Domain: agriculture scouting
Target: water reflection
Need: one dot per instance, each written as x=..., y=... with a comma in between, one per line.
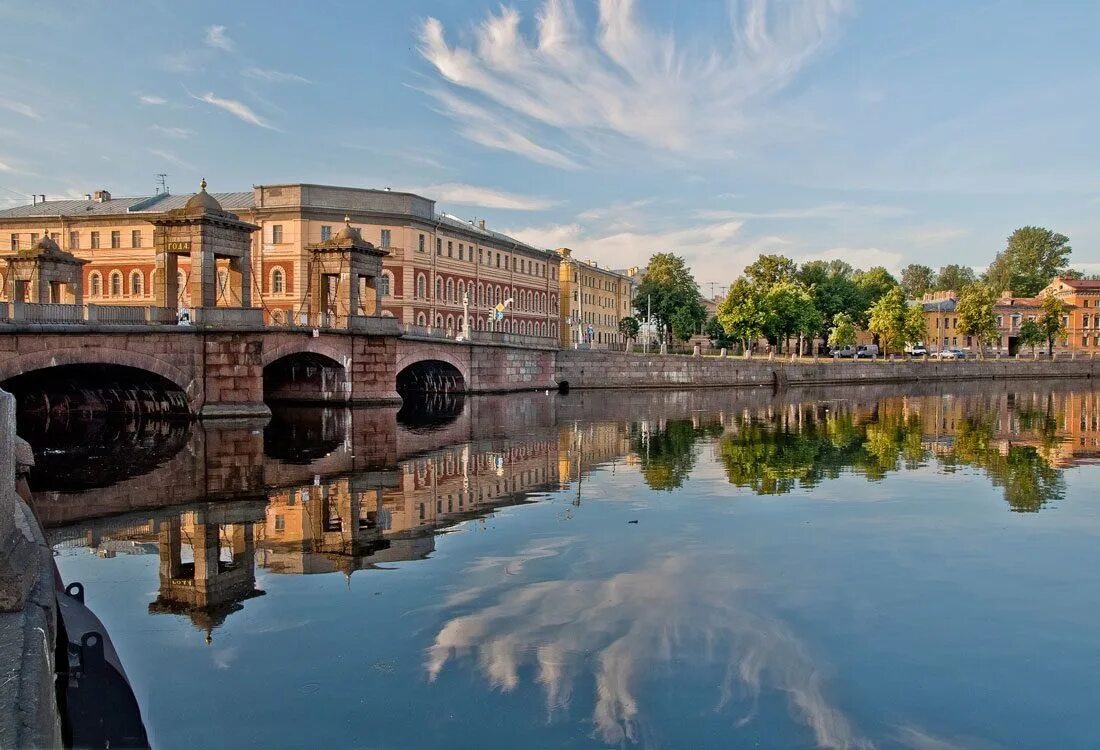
x=585, y=616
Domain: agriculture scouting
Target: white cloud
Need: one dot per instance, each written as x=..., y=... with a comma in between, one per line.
x=217, y=38
x=473, y=195
x=171, y=158
x=614, y=633
x=151, y=99
x=20, y=108
x=826, y=211
x=172, y=131
x=240, y=110
x=483, y=127
x=628, y=79
x=6, y=167
x=273, y=76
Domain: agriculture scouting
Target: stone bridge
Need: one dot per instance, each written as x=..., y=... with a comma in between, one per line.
x=230, y=371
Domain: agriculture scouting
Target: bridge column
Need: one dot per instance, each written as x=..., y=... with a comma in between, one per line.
x=233, y=376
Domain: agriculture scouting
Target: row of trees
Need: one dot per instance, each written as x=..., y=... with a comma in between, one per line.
x=780, y=300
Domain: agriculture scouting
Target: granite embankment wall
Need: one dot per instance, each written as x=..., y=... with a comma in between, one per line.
x=28, y=611
x=587, y=369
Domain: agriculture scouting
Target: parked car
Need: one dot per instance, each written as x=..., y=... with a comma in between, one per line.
x=867, y=352
x=949, y=354
x=916, y=350
x=844, y=352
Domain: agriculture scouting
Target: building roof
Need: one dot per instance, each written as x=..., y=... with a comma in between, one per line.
x=116, y=206
x=939, y=305
x=1080, y=283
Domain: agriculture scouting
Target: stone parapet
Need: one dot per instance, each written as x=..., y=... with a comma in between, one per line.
x=28, y=611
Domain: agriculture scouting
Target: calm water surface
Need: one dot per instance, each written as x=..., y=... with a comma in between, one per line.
x=855, y=568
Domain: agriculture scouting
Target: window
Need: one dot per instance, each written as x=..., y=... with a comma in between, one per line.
x=95, y=281
x=278, y=282
x=15, y=242
x=276, y=233
x=420, y=246
x=326, y=232
x=450, y=249
x=498, y=260
x=421, y=287
x=480, y=259
x=438, y=288
x=34, y=239
x=116, y=238
x=385, y=238
x=439, y=247
x=450, y=290
x=280, y=523
x=461, y=251
x=137, y=284
x=135, y=238
x=421, y=320
x=384, y=285
x=95, y=240
x=116, y=284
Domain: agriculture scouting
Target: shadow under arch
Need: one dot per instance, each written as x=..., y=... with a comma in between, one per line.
x=305, y=377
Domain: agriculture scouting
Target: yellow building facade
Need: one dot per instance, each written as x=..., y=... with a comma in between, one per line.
x=593, y=301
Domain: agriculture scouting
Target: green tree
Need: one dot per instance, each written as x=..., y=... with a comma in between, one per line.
x=872, y=284
x=1031, y=258
x=717, y=334
x=629, y=327
x=915, y=325
x=769, y=270
x=916, y=280
x=843, y=332
x=887, y=319
x=953, y=277
x=790, y=311
x=687, y=320
x=1051, y=318
x=1031, y=335
x=834, y=290
x=742, y=312
x=668, y=284
x=976, y=318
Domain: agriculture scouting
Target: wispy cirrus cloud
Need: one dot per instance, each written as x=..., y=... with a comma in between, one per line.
x=152, y=99
x=273, y=76
x=626, y=78
x=473, y=195
x=20, y=108
x=172, y=131
x=217, y=38
x=171, y=158
x=238, y=109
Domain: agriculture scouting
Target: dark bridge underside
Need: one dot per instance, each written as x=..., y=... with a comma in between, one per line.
x=430, y=376
x=67, y=392
x=305, y=377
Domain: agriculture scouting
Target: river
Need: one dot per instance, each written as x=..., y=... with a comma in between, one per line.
x=851, y=568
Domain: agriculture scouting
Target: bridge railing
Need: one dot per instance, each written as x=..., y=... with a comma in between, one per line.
x=35, y=312
x=517, y=339
x=122, y=314
x=427, y=332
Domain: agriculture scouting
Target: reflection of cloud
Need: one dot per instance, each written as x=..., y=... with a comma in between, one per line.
x=624, y=626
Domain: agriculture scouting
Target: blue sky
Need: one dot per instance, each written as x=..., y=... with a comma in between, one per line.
x=879, y=132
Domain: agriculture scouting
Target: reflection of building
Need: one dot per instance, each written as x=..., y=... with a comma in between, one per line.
x=593, y=301
x=583, y=447
x=221, y=572
x=432, y=260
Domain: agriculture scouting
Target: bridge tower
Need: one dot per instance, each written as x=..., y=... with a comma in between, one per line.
x=45, y=274
x=343, y=279
x=206, y=233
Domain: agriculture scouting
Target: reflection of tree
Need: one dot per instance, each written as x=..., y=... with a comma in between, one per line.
x=668, y=452
x=774, y=454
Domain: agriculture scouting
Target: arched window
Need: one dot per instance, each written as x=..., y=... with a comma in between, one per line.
x=499, y=297
x=385, y=284
x=95, y=284
x=461, y=291
x=461, y=324
x=450, y=322
x=438, y=321
x=116, y=283
x=421, y=287
x=137, y=284
x=480, y=298
x=450, y=290
x=278, y=281
x=421, y=320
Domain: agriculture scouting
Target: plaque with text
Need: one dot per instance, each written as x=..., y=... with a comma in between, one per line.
x=178, y=246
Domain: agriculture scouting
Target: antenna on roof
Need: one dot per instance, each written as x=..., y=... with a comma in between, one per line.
x=162, y=184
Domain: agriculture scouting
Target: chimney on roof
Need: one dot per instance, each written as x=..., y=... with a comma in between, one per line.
x=481, y=224
x=87, y=196
x=102, y=196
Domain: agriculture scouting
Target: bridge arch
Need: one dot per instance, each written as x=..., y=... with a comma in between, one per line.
x=416, y=355
x=191, y=386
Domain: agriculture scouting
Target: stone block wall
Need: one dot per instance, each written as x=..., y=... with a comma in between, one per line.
x=598, y=369
x=503, y=368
